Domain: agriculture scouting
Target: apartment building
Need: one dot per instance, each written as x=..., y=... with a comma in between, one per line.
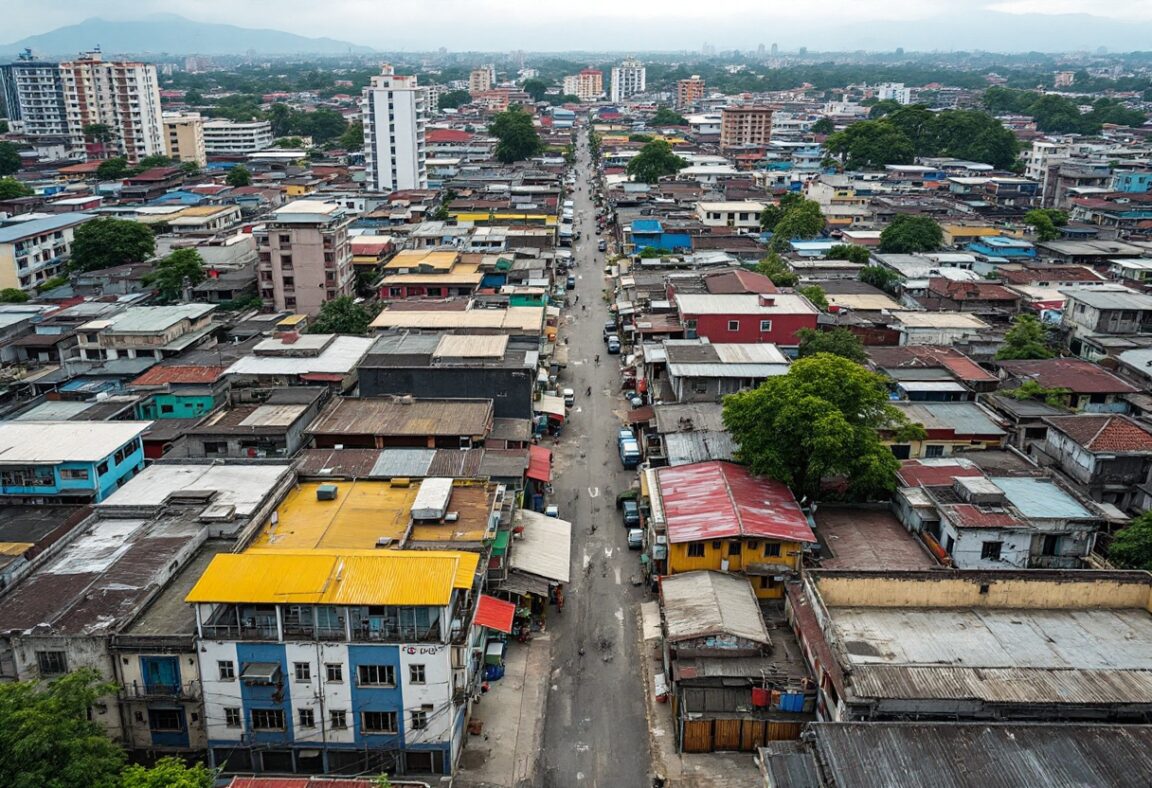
x=184, y=137
x=689, y=92
x=229, y=136
x=590, y=84
x=33, y=92
x=34, y=251
x=156, y=332
x=305, y=257
x=628, y=79
x=481, y=79
x=123, y=96
x=394, y=112
x=744, y=126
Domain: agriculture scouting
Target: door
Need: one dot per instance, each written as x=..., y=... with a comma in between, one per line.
x=161, y=675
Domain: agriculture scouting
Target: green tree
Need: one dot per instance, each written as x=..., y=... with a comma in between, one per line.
x=1027, y=338
x=106, y=242
x=815, y=294
x=907, y=234
x=774, y=267
x=190, y=168
x=148, y=162
x=773, y=213
x=1131, y=547
x=850, y=252
x=322, y=125
x=639, y=137
x=871, y=145
x=3, y=126
x=655, y=161
x=879, y=276
x=353, y=137
x=52, y=284
x=536, y=88
x=98, y=134
x=193, y=98
x=181, y=269
x=821, y=419
x=823, y=126
x=238, y=176
x=802, y=221
x=517, y=136
x=10, y=188
x=280, y=117
x=666, y=117
x=1057, y=396
x=883, y=107
x=342, y=316
x=47, y=739
x=114, y=169
x=13, y=295
x=454, y=99
x=1041, y=222
x=168, y=772
x=838, y=342
x=10, y=161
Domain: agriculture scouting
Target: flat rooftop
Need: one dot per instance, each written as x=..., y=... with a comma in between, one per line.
x=242, y=486
x=867, y=539
x=364, y=512
x=32, y=524
x=169, y=614
x=52, y=442
x=404, y=417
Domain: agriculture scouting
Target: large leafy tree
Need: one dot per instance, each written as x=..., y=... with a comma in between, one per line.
x=517, y=136
x=850, y=252
x=342, y=316
x=655, y=161
x=107, y=242
x=179, y=270
x=353, y=137
x=774, y=267
x=453, y=99
x=238, y=176
x=907, y=234
x=815, y=294
x=774, y=212
x=803, y=220
x=820, y=420
x=536, y=88
x=871, y=145
x=666, y=117
x=12, y=295
x=47, y=739
x=838, y=342
x=114, y=169
x=9, y=159
x=879, y=276
x=1131, y=547
x=1042, y=224
x=10, y=188
x=168, y=772
x=1028, y=338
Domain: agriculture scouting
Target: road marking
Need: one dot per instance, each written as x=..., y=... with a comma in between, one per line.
x=617, y=570
x=593, y=492
x=608, y=551
x=620, y=614
x=587, y=560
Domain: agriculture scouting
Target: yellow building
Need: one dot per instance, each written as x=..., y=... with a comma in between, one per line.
x=184, y=137
x=718, y=516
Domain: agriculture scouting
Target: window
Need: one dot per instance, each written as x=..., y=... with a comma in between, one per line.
x=167, y=409
x=51, y=663
x=102, y=468
x=416, y=674
x=338, y=718
x=379, y=721
x=771, y=549
x=334, y=672
x=934, y=450
x=700, y=387
x=376, y=676
x=227, y=669
x=765, y=326
x=733, y=325
x=232, y=717
x=696, y=550
x=733, y=548
x=267, y=719
x=767, y=582
x=303, y=671
x=990, y=551
x=307, y=718
x=165, y=720
x=1051, y=544
x=419, y=720
x=74, y=474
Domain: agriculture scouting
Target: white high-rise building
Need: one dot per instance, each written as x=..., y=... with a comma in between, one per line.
x=123, y=96
x=894, y=91
x=34, y=94
x=394, y=111
x=628, y=79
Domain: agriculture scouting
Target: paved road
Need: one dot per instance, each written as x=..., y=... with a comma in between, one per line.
x=595, y=729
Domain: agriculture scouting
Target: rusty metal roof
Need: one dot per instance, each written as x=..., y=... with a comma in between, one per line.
x=400, y=416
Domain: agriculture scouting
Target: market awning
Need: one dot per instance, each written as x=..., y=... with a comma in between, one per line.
x=544, y=546
x=264, y=672
x=539, y=463
x=553, y=406
x=494, y=613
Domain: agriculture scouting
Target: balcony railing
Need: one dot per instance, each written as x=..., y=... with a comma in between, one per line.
x=189, y=690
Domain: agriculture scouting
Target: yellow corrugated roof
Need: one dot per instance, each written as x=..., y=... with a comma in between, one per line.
x=412, y=258
x=327, y=577
x=15, y=548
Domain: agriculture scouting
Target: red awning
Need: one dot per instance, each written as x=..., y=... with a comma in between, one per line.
x=494, y=613
x=644, y=413
x=539, y=463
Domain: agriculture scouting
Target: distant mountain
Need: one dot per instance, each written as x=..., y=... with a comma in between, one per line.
x=175, y=35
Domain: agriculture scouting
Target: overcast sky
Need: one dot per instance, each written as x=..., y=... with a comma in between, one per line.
x=632, y=24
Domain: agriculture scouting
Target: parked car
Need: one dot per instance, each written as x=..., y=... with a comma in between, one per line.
x=613, y=344
x=571, y=282
x=552, y=510
x=609, y=329
x=635, y=539
x=602, y=246
x=569, y=397
x=631, y=514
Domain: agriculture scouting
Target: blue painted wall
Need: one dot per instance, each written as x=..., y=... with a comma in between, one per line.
x=261, y=696
x=376, y=698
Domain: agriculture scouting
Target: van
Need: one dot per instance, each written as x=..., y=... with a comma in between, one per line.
x=569, y=397
x=613, y=344
x=631, y=514
x=609, y=329
x=602, y=246
x=629, y=453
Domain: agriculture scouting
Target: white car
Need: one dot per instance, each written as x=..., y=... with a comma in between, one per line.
x=635, y=538
x=569, y=397
x=552, y=510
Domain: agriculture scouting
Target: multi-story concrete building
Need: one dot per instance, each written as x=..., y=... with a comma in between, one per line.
x=628, y=79
x=33, y=92
x=305, y=257
x=481, y=79
x=894, y=91
x=156, y=332
x=394, y=112
x=184, y=137
x=741, y=126
x=34, y=251
x=123, y=96
x=590, y=84
x=229, y=136
x=689, y=91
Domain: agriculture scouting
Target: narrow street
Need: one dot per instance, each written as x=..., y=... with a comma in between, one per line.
x=595, y=727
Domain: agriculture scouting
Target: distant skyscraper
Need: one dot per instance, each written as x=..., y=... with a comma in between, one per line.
x=394, y=113
x=628, y=79
x=760, y=51
x=775, y=49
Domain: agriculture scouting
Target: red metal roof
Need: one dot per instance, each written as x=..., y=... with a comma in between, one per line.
x=914, y=473
x=1076, y=375
x=159, y=376
x=447, y=135
x=718, y=500
x=1105, y=433
x=494, y=613
x=539, y=463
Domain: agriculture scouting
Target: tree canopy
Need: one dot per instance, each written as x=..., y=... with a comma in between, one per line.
x=353, y=137
x=453, y=99
x=1027, y=338
x=823, y=126
x=12, y=295
x=181, y=269
x=106, y=242
x=815, y=294
x=342, y=316
x=667, y=117
x=1042, y=224
x=838, y=342
x=11, y=188
x=907, y=234
x=518, y=138
x=871, y=145
x=850, y=252
x=820, y=420
x=655, y=161
x=879, y=276
x=168, y=772
x=238, y=176
x=1060, y=115
x=536, y=88
x=1131, y=547
x=157, y=160
x=774, y=267
x=10, y=161
x=114, y=169
x=802, y=220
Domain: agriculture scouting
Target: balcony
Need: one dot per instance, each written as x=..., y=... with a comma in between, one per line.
x=189, y=690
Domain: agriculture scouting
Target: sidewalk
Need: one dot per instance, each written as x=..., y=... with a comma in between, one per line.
x=512, y=712
x=710, y=770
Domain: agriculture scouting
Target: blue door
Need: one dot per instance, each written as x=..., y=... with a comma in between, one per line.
x=161, y=675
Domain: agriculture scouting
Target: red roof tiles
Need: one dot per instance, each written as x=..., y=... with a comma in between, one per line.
x=1076, y=375
x=159, y=376
x=1105, y=433
x=914, y=473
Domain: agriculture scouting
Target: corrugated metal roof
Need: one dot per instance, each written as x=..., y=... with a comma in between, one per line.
x=321, y=577
x=685, y=448
x=1040, y=498
x=419, y=417
x=716, y=500
x=544, y=548
x=494, y=613
x=184, y=373
x=962, y=418
x=705, y=604
x=402, y=462
x=1074, y=374
x=52, y=442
